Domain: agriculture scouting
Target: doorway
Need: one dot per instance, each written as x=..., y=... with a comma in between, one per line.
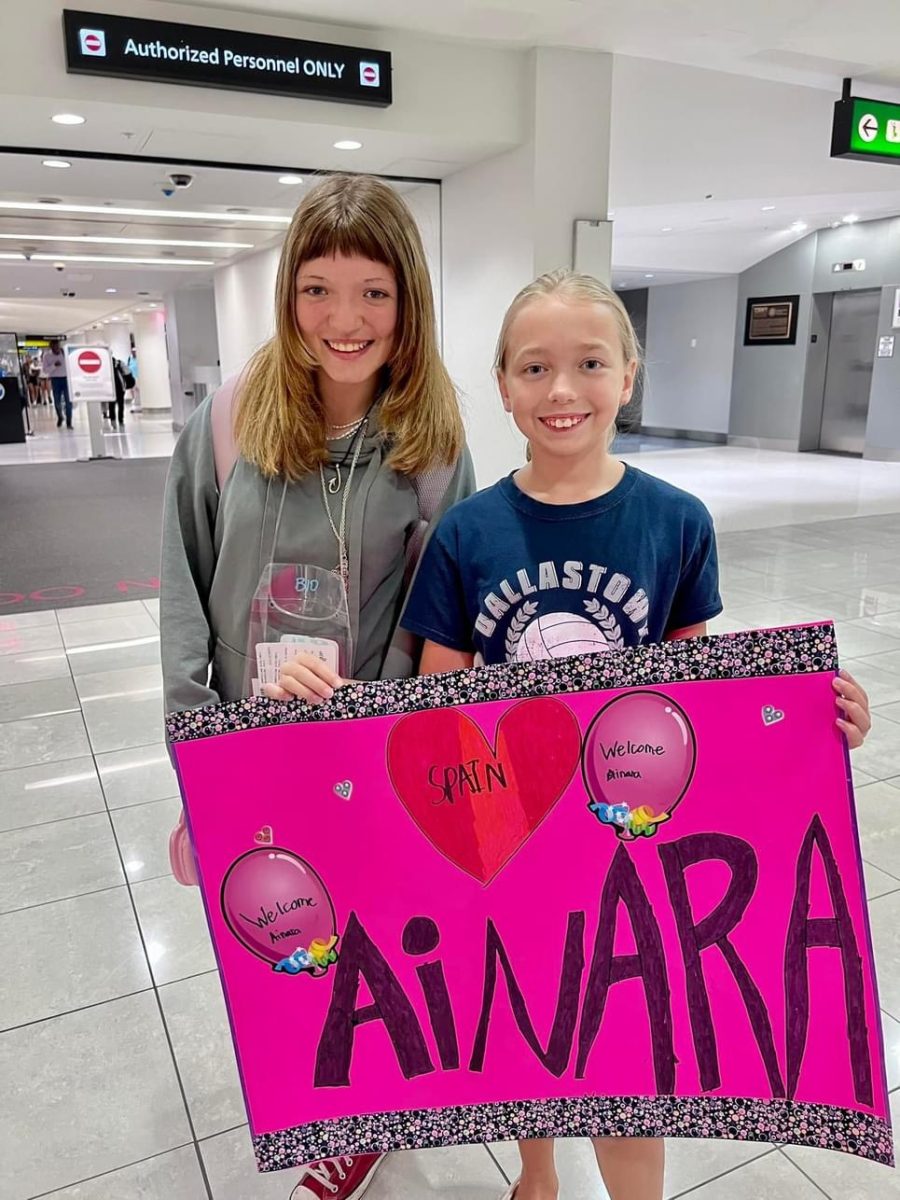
x=848, y=375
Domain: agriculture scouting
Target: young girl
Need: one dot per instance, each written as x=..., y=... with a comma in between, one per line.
x=622, y=557
x=326, y=442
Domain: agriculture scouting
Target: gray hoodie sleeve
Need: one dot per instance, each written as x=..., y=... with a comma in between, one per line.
x=402, y=658
x=188, y=561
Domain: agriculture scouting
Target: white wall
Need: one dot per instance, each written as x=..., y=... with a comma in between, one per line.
x=488, y=256
x=688, y=386
x=512, y=217
x=245, y=294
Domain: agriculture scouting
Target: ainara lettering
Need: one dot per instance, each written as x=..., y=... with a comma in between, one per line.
x=396, y=995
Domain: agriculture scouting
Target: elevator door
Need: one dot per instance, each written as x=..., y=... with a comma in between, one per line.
x=848, y=378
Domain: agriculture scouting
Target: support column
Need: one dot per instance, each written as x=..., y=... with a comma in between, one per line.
x=153, y=362
x=511, y=217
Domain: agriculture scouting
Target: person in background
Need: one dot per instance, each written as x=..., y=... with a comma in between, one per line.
x=53, y=364
x=117, y=407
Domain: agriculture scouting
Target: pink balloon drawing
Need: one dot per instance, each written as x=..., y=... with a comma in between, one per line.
x=638, y=760
x=277, y=907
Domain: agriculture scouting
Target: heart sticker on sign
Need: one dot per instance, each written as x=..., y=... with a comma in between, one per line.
x=264, y=836
x=771, y=715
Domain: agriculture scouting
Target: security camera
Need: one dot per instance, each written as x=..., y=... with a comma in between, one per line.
x=166, y=190
x=180, y=179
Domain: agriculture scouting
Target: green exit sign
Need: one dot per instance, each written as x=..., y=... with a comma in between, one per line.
x=868, y=130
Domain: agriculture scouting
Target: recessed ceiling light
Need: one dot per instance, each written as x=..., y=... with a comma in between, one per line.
x=290, y=179
x=240, y=214
x=850, y=219
x=67, y=119
x=111, y=291
x=768, y=208
x=799, y=226
x=650, y=276
x=59, y=163
x=19, y=257
x=348, y=144
x=666, y=229
x=114, y=258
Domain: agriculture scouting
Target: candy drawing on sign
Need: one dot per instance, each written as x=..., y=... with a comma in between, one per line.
x=477, y=803
x=638, y=761
x=280, y=910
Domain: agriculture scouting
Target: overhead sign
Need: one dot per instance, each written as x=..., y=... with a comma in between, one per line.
x=90, y=373
x=197, y=55
x=867, y=130
x=614, y=893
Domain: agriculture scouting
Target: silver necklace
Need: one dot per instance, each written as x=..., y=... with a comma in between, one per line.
x=351, y=426
x=332, y=433
x=340, y=530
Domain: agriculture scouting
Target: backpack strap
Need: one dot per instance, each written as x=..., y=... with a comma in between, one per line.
x=221, y=416
x=430, y=488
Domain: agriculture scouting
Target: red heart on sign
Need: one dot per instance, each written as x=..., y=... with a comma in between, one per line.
x=478, y=804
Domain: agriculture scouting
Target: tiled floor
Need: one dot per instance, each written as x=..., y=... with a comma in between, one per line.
x=146, y=435
x=115, y=1058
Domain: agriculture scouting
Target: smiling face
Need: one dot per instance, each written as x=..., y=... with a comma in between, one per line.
x=565, y=375
x=346, y=309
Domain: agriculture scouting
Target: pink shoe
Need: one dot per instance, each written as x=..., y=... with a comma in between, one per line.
x=340, y=1178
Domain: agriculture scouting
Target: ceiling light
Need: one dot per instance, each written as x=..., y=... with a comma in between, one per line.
x=768, y=208
x=289, y=180
x=111, y=291
x=835, y=224
x=121, y=211
x=94, y=239
x=67, y=119
x=850, y=219
x=60, y=163
x=113, y=258
x=666, y=229
x=799, y=226
x=348, y=144
x=19, y=257
x=153, y=305
x=648, y=276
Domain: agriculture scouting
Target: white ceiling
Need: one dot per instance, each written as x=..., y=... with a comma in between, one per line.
x=678, y=134
x=815, y=42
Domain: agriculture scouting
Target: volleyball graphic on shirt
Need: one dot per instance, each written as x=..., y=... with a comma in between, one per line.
x=559, y=635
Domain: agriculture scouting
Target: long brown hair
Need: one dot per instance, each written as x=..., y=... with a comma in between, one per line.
x=280, y=423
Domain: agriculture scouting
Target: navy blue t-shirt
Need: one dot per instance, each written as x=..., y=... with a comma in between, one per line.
x=512, y=579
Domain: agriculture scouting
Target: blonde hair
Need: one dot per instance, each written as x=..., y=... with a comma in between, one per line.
x=280, y=423
x=570, y=285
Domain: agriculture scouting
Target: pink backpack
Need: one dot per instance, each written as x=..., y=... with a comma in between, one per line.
x=430, y=488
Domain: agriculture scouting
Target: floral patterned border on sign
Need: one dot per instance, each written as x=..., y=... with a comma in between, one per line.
x=800, y=650
x=817, y=1125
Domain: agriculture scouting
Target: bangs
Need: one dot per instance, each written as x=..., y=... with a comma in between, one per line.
x=347, y=233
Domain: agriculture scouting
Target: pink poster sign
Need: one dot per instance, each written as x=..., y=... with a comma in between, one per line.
x=617, y=894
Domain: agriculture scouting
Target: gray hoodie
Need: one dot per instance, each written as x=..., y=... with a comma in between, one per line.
x=215, y=547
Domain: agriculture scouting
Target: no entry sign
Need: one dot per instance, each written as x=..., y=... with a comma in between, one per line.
x=90, y=362
x=90, y=373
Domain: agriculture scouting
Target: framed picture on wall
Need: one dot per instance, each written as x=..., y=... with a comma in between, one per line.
x=771, y=321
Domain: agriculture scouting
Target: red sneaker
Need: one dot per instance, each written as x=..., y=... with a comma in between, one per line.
x=337, y=1178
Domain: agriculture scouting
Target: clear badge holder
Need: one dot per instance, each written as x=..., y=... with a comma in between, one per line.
x=297, y=608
